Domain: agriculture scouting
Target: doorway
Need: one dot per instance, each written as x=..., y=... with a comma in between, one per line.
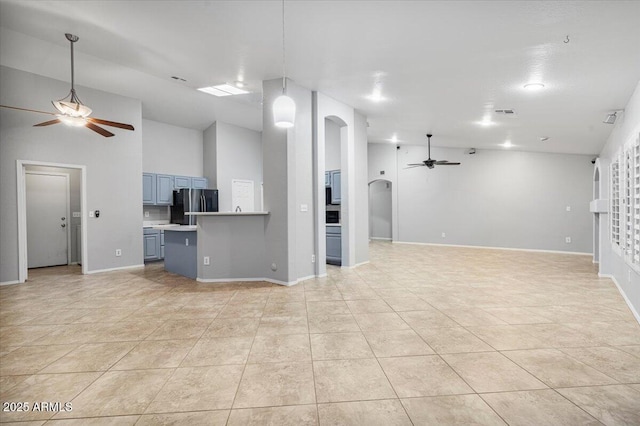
x=40, y=185
x=48, y=229
x=380, y=210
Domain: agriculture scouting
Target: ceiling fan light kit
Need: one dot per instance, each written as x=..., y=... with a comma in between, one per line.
x=71, y=111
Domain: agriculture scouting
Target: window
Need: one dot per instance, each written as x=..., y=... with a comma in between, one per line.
x=636, y=202
x=628, y=201
x=615, y=202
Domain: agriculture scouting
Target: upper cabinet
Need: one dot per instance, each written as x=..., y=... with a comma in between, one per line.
x=336, y=189
x=182, y=182
x=148, y=188
x=164, y=190
x=199, y=183
x=157, y=189
x=327, y=179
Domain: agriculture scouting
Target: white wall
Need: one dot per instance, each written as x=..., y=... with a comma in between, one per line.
x=613, y=264
x=114, y=166
x=495, y=198
x=361, y=187
x=171, y=149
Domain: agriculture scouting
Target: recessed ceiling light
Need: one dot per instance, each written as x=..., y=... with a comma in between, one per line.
x=486, y=121
x=223, y=90
x=544, y=138
x=534, y=86
x=507, y=144
x=394, y=138
x=239, y=83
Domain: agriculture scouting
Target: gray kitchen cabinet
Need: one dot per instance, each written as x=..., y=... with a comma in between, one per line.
x=151, y=244
x=336, y=189
x=164, y=190
x=199, y=183
x=334, y=245
x=180, y=182
x=148, y=188
x=327, y=179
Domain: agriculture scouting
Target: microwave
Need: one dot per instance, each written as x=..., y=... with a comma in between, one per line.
x=333, y=216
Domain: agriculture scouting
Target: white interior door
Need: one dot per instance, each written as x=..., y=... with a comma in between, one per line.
x=47, y=200
x=242, y=195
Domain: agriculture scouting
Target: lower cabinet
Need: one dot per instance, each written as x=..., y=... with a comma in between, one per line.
x=334, y=244
x=153, y=244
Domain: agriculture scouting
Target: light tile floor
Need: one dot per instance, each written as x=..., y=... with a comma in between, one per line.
x=421, y=335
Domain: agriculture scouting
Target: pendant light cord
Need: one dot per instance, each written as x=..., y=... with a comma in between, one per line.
x=284, y=72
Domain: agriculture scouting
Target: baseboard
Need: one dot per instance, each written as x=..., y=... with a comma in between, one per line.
x=379, y=238
x=120, y=268
x=495, y=248
x=9, y=282
x=624, y=296
x=269, y=280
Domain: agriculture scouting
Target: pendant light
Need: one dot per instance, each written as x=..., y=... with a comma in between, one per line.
x=284, y=108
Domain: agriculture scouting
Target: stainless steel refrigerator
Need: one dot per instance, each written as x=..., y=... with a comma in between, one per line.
x=190, y=201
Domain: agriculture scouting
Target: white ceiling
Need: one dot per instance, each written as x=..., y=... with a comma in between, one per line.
x=441, y=65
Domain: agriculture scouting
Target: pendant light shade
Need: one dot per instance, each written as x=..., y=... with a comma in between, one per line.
x=284, y=108
x=284, y=111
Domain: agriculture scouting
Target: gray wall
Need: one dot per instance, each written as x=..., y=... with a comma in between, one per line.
x=171, y=149
x=380, y=209
x=288, y=178
x=232, y=152
x=239, y=154
x=114, y=166
x=75, y=181
x=495, y=198
x=210, y=155
x=361, y=188
x=612, y=263
x=332, y=145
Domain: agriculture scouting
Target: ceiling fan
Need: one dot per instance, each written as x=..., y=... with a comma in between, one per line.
x=430, y=163
x=72, y=112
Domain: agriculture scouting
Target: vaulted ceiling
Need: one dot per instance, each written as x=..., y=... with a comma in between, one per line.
x=439, y=66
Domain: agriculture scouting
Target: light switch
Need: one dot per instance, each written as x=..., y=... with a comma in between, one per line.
x=304, y=208
x=568, y=208
x=91, y=213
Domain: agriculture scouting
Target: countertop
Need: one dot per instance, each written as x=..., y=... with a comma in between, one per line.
x=180, y=228
x=333, y=224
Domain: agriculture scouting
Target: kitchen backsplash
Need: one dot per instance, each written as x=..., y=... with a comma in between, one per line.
x=156, y=213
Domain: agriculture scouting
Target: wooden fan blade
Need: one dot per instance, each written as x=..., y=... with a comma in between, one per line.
x=416, y=164
x=28, y=110
x=110, y=123
x=47, y=123
x=446, y=163
x=413, y=166
x=97, y=129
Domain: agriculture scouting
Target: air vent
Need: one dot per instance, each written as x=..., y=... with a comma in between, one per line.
x=177, y=78
x=506, y=112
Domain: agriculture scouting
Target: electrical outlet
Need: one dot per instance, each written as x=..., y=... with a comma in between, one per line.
x=91, y=213
x=444, y=235
x=146, y=214
x=313, y=258
x=568, y=208
x=207, y=261
x=304, y=207
x=118, y=252
x=186, y=242
x=567, y=240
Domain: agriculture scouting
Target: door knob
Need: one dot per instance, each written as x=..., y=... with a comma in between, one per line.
x=63, y=218
x=63, y=225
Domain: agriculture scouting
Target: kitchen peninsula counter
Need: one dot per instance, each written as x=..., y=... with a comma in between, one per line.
x=233, y=245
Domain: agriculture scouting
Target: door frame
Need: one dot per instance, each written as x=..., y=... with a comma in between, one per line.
x=22, y=212
x=67, y=205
